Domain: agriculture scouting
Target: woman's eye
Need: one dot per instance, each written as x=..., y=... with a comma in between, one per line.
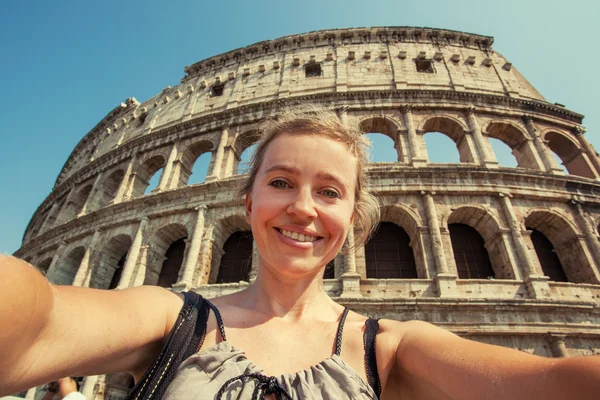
x=330, y=193
x=279, y=184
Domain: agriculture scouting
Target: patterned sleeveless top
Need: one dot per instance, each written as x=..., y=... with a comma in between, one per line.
x=223, y=371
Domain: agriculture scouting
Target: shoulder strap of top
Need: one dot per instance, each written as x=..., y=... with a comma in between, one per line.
x=185, y=339
x=371, y=328
x=340, y=329
x=219, y=319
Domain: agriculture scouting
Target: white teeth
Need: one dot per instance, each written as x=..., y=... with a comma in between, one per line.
x=300, y=237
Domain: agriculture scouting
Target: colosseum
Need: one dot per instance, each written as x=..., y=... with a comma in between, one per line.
x=509, y=256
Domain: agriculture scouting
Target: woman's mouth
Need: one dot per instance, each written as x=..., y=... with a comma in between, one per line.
x=299, y=237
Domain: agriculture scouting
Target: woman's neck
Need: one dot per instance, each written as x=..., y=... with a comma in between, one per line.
x=290, y=299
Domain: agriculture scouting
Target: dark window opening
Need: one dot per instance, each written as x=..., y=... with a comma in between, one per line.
x=118, y=272
x=237, y=259
x=329, y=270
x=425, y=66
x=217, y=90
x=389, y=255
x=313, y=69
x=173, y=260
x=549, y=261
x=471, y=257
x=142, y=118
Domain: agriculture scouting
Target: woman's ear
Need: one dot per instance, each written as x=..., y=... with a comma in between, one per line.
x=248, y=202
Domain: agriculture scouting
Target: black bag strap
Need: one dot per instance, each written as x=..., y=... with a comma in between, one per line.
x=371, y=328
x=185, y=339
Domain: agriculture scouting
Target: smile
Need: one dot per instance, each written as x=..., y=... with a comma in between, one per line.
x=300, y=237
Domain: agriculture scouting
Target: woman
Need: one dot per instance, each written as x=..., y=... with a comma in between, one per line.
x=305, y=191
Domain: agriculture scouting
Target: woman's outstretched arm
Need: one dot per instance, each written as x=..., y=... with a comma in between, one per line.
x=432, y=360
x=48, y=331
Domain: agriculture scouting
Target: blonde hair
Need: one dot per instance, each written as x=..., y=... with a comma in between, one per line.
x=315, y=120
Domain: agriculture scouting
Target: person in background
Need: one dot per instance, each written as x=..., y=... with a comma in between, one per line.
x=64, y=388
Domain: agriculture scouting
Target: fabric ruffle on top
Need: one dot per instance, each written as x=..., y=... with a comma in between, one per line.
x=203, y=375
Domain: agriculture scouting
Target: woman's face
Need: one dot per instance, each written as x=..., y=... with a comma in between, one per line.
x=302, y=203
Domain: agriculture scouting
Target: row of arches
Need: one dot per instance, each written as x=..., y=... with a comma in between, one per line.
x=210, y=159
x=476, y=245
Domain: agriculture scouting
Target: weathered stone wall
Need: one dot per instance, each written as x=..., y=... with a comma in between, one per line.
x=98, y=213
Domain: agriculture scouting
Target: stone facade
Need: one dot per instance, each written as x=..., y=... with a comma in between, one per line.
x=400, y=82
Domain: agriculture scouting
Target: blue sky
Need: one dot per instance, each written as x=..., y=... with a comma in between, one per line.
x=66, y=64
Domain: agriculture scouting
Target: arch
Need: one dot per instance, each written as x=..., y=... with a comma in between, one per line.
x=147, y=170
x=76, y=203
x=241, y=143
x=236, y=261
x=389, y=255
x=569, y=152
x=190, y=157
x=470, y=255
x=107, y=190
x=567, y=242
x=44, y=265
x=549, y=261
x=493, y=246
x=245, y=159
x=220, y=231
x=107, y=272
x=381, y=149
x=455, y=130
x=168, y=248
x=518, y=141
x=68, y=266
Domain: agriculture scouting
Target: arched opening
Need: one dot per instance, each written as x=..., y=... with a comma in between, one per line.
x=76, y=204
x=382, y=133
x=570, y=155
x=195, y=161
x=549, y=261
x=567, y=244
x=329, y=272
x=453, y=130
x=521, y=149
x=236, y=261
x=382, y=148
x=55, y=218
x=108, y=190
x=67, y=269
x=389, y=255
x=107, y=272
x=148, y=176
x=44, y=265
x=470, y=255
x=169, y=249
x=246, y=158
x=441, y=149
x=503, y=153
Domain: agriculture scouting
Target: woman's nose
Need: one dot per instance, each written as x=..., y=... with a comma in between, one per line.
x=303, y=205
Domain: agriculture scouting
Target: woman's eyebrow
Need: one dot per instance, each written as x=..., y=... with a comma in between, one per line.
x=325, y=176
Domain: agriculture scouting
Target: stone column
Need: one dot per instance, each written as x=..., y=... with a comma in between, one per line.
x=557, y=345
x=165, y=179
x=548, y=160
x=537, y=283
x=215, y=174
x=486, y=158
x=416, y=159
x=446, y=282
x=591, y=237
x=89, y=384
x=191, y=258
x=126, y=185
x=133, y=255
x=54, y=264
x=343, y=115
x=588, y=148
x=255, y=261
x=91, y=196
x=84, y=272
x=350, y=278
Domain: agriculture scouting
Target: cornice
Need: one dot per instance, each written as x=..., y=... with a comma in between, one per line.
x=337, y=37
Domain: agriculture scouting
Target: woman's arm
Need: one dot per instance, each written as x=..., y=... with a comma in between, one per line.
x=48, y=332
x=432, y=360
